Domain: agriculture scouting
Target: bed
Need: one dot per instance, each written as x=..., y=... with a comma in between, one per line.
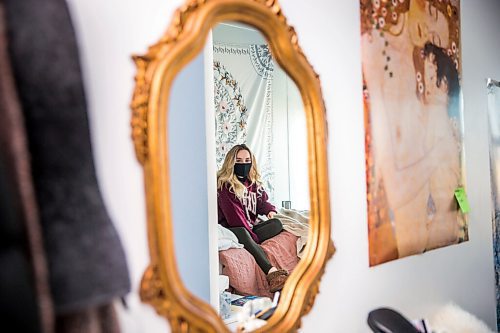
x=246, y=277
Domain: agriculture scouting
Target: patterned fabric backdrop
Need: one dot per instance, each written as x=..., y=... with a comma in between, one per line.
x=243, y=76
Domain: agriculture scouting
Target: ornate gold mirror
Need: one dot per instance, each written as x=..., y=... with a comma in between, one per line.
x=230, y=73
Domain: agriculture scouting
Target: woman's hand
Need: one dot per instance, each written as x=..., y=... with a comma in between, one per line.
x=271, y=214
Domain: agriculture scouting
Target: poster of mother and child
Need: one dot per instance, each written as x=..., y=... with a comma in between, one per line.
x=414, y=126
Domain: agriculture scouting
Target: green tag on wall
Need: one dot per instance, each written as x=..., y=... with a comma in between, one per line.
x=462, y=200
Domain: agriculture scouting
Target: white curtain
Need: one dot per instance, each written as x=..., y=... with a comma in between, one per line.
x=243, y=76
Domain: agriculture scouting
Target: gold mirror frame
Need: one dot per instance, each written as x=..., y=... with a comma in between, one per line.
x=161, y=285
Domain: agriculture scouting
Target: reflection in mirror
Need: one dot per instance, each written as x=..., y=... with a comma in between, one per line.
x=248, y=174
x=188, y=178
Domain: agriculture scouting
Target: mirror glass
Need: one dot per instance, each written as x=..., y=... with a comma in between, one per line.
x=238, y=173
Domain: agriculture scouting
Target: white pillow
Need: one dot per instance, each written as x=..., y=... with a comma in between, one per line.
x=227, y=239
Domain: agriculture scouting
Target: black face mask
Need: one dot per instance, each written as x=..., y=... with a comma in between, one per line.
x=242, y=169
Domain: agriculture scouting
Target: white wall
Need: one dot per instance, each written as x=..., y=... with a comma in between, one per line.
x=291, y=181
x=416, y=285
x=188, y=165
x=297, y=144
x=328, y=32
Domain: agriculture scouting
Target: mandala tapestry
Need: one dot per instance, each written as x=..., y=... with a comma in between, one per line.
x=243, y=76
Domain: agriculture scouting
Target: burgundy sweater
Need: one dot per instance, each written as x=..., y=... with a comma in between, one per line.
x=234, y=212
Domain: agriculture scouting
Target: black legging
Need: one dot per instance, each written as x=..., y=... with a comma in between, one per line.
x=264, y=231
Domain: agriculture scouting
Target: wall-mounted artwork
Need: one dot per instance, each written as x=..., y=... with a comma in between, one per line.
x=494, y=128
x=414, y=125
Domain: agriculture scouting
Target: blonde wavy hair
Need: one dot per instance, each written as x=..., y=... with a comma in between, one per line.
x=226, y=176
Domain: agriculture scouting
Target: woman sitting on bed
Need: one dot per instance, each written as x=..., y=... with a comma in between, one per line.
x=241, y=198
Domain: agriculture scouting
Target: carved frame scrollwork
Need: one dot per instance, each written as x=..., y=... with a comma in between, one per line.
x=161, y=285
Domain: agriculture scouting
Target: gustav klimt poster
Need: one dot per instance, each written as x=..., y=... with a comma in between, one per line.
x=414, y=125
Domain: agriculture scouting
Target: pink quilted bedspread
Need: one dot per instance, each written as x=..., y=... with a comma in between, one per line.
x=246, y=277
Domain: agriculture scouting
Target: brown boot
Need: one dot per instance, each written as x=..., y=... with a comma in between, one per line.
x=277, y=280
